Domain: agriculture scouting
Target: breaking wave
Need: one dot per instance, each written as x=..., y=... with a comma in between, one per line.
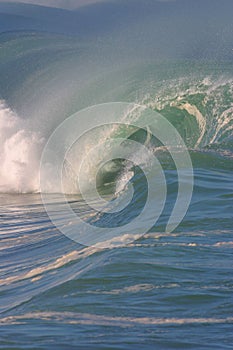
x=201, y=110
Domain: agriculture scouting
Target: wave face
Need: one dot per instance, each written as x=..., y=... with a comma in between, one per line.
x=170, y=63
x=200, y=108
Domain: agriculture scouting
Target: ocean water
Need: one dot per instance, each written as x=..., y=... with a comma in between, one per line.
x=116, y=192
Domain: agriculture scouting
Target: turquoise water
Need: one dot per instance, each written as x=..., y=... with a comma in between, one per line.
x=152, y=288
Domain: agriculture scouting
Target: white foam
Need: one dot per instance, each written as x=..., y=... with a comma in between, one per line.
x=215, y=122
x=117, y=242
x=36, y=272
x=225, y=124
x=146, y=287
x=224, y=244
x=199, y=117
x=20, y=153
x=104, y=320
